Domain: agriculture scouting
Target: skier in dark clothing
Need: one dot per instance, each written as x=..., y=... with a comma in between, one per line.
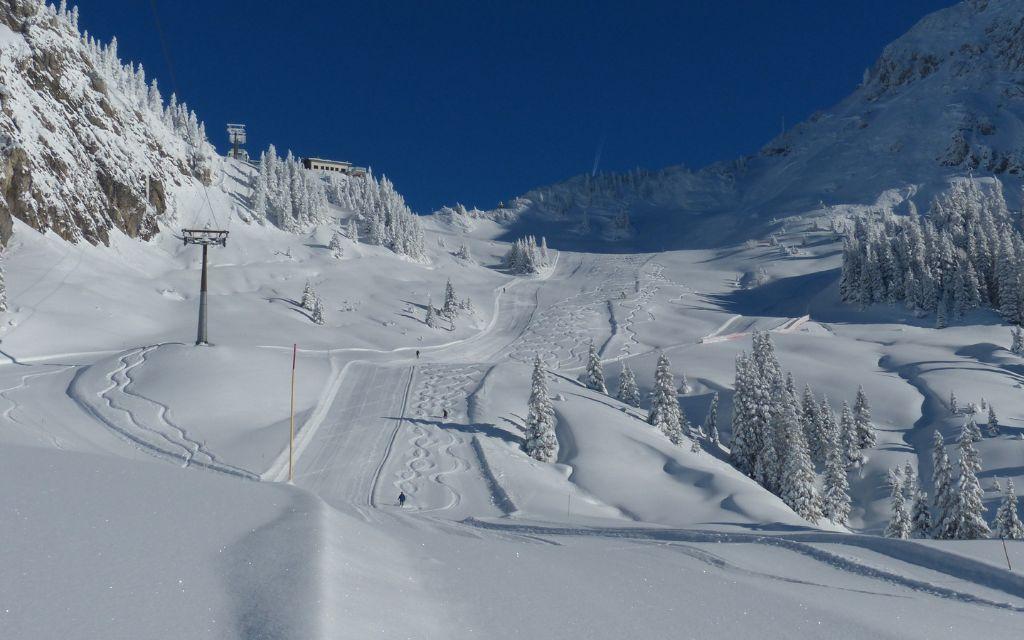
x=417, y=354
x=401, y=498
x=445, y=414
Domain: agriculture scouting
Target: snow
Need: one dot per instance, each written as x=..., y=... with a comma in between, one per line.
x=145, y=478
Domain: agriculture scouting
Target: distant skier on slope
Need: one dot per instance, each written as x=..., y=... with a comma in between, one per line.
x=401, y=498
x=444, y=412
x=417, y=354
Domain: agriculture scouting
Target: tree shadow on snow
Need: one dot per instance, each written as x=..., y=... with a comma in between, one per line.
x=478, y=428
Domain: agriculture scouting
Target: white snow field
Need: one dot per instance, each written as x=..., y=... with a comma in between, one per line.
x=145, y=480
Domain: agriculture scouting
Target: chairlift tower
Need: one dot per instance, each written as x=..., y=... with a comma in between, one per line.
x=204, y=238
x=236, y=135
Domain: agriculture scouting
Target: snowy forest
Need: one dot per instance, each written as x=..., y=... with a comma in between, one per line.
x=964, y=254
x=293, y=198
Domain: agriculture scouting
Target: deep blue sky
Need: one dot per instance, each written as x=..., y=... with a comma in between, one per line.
x=478, y=101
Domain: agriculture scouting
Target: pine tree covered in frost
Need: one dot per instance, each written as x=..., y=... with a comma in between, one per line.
x=954, y=405
x=335, y=247
x=1007, y=523
x=665, y=413
x=993, y=422
x=899, y=521
x=862, y=418
x=969, y=511
x=1017, y=343
x=836, y=491
x=430, y=319
x=308, y=296
x=920, y=516
x=945, y=494
x=594, y=377
x=525, y=257
x=317, y=313
x=965, y=254
x=848, y=438
x=711, y=421
x=286, y=194
x=628, y=390
x=797, y=488
x=541, y=443
x=450, y=308
x=972, y=430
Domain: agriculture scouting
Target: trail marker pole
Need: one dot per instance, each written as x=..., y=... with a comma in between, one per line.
x=1006, y=553
x=291, y=427
x=204, y=238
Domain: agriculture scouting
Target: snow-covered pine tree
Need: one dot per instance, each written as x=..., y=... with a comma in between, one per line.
x=812, y=422
x=993, y=422
x=796, y=482
x=920, y=516
x=594, y=376
x=450, y=308
x=945, y=493
x=317, y=313
x=862, y=418
x=836, y=489
x=665, y=413
x=463, y=253
x=711, y=422
x=1017, y=344
x=336, y=248
x=353, y=230
x=848, y=438
x=684, y=384
x=628, y=391
x=899, y=520
x=308, y=296
x=431, y=318
x=969, y=512
x=1007, y=523
x=954, y=406
x=540, y=440
x=744, y=444
x=972, y=430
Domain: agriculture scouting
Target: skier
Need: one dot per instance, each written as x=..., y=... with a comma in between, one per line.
x=417, y=354
x=401, y=498
x=444, y=412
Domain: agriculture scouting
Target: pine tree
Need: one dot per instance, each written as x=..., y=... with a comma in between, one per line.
x=744, y=444
x=969, y=509
x=812, y=422
x=1007, y=523
x=628, y=391
x=899, y=522
x=972, y=430
x=665, y=413
x=993, y=422
x=684, y=384
x=335, y=247
x=431, y=317
x=862, y=420
x=796, y=481
x=450, y=308
x=308, y=296
x=945, y=496
x=317, y=314
x=920, y=516
x=595, y=372
x=954, y=407
x=353, y=230
x=836, y=493
x=848, y=438
x=540, y=441
x=1017, y=347
x=711, y=422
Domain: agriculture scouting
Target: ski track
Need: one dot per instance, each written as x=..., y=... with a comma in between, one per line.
x=120, y=408
x=967, y=570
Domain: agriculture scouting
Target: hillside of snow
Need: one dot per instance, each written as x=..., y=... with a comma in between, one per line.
x=150, y=488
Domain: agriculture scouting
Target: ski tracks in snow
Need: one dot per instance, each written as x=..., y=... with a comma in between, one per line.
x=142, y=420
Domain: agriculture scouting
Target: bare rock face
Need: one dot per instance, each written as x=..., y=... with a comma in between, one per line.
x=86, y=146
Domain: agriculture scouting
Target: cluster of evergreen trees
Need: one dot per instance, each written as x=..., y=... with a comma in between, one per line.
x=526, y=256
x=384, y=218
x=966, y=253
x=311, y=302
x=450, y=309
x=957, y=511
x=130, y=81
x=286, y=194
x=780, y=440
